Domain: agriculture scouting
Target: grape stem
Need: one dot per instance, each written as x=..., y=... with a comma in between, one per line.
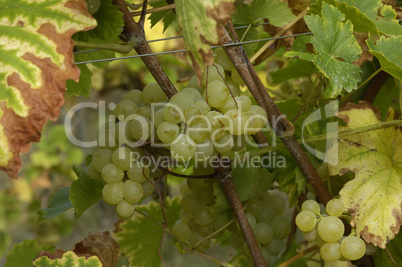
x=298, y=256
x=120, y=48
x=282, y=127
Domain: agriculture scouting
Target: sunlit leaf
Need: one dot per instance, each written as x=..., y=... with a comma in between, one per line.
x=24, y=253
x=69, y=259
x=336, y=50
x=36, y=61
x=374, y=196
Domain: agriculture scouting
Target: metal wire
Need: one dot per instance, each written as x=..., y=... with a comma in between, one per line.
x=167, y=38
x=184, y=50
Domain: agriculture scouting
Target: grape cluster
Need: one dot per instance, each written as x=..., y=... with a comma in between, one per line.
x=327, y=230
x=196, y=221
x=270, y=226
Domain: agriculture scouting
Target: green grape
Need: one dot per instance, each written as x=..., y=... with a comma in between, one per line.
x=202, y=216
x=181, y=230
x=311, y=205
x=204, y=195
x=192, y=91
x=138, y=173
x=192, y=225
x=277, y=203
x=263, y=233
x=306, y=220
x=140, y=128
x=233, y=87
x=353, y=248
x=157, y=117
x=225, y=144
x=123, y=135
x=265, y=198
x=244, y=102
x=205, y=230
x=107, y=140
x=144, y=111
x=205, y=108
x=183, y=148
x=124, y=209
x=185, y=216
x=237, y=243
x=198, y=132
x=222, y=59
x=182, y=100
x=335, y=207
x=124, y=109
x=311, y=235
x=93, y=6
x=318, y=241
x=216, y=94
x=266, y=215
x=331, y=229
x=113, y=193
x=112, y=174
x=195, y=238
x=330, y=252
x=122, y=157
x=281, y=226
x=193, y=83
x=167, y=132
x=172, y=113
x=153, y=93
x=237, y=121
x=148, y=187
x=133, y=192
x=215, y=73
x=236, y=76
x=204, y=150
x=94, y=174
x=134, y=96
x=184, y=188
x=189, y=202
x=221, y=220
x=101, y=158
x=275, y=246
x=194, y=184
x=192, y=115
x=254, y=206
x=257, y=118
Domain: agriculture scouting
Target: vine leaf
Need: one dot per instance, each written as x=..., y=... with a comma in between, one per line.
x=336, y=49
x=167, y=16
x=141, y=236
x=374, y=196
x=246, y=188
x=389, y=57
x=59, y=203
x=201, y=23
x=69, y=259
x=278, y=13
x=84, y=192
x=24, y=253
x=37, y=59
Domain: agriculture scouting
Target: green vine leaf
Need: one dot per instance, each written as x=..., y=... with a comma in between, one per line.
x=388, y=24
x=374, y=196
x=389, y=57
x=278, y=13
x=84, y=192
x=59, y=203
x=37, y=60
x=69, y=259
x=24, y=253
x=201, y=23
x=141, y=235
x=167, y=16
x=295, y=68
x=336, y=49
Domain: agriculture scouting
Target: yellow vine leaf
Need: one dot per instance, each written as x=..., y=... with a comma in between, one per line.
x=374, y=196
x=36, y=60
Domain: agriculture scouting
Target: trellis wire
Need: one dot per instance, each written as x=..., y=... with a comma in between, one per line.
x=168, y=38
x=184, y=50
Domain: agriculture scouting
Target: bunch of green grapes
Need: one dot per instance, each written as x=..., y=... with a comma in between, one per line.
x=197, y=224
x=327, y=230
x=270, y=226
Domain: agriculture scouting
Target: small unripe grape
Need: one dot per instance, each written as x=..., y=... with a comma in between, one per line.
x=113, y=193
x=124, y=209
